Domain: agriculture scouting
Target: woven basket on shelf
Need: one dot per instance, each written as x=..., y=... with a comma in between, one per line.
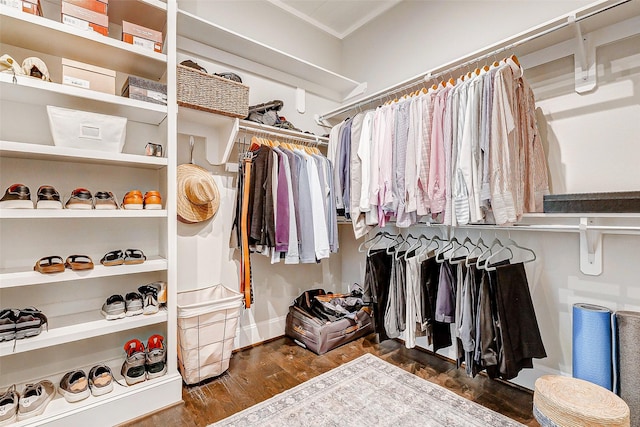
x=214, y=94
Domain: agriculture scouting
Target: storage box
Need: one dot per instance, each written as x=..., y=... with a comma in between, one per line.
x=85, y=130
x=88, y=76
x=138, y=35
x=29, y=6
x=98, y=6
x=84, y=19
x=202, y=91
x=616, y=202
x=145, y=90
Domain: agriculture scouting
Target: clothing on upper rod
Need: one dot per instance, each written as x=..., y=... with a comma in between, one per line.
x=461, y=153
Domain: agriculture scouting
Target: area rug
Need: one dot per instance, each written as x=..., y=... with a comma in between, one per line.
x=367, y=392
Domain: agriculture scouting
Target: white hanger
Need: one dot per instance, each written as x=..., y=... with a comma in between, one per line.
x=404, y=242
x=422, y=240
x=452, y=245
x=396, y=243
x=379, y=236
x=509, y=246
x=480, y=245
x=456, y=256
x=481, y=261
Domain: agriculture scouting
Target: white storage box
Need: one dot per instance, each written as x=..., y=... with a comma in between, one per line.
x=207, y=323
x=85, y=130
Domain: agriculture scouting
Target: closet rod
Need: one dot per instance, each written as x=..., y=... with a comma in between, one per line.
x=456, y=65
x=314, y=139
x=609, y=229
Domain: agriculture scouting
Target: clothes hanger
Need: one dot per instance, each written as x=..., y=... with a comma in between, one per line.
x=421, y=241
x=481, y=246
x=481, y=261
x=377, y=236
x=453, y=244
x=434, y=239
x=404, y=242
x=509, y=246
x=455, y=257
x=396, y=242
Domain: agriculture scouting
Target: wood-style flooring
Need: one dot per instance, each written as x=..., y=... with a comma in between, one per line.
x=258, y=373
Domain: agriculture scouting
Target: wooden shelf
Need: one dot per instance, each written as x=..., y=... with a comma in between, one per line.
x=51, y=37
x=22, y=150
x=80, y=213
x=77, y=327
x=29, y=90
x=265, y=59
x=25, y=276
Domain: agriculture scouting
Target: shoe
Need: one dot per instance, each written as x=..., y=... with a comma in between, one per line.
x=17, y=196
x=9, y=406
x=113, y=258
x=100, y=380
x=133, y=369
x=8, y=317
x=10, y=65
x=81, y=198
x=35, y=398
x=74, y=386
x=150, y=299
x=105, y=200
x=161, y=290
x=49, y=264
x=156, y=359
x=79, y=262
x=152, y=200
x=134, y=256
x=48, y=198
x=114, y=308
x=133, y=200
x=133, y=304
x=29, y=322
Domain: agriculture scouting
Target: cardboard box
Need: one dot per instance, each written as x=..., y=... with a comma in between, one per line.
x=29, y=6
x=141, y=36
x=88, y=76
x=84, y=19
x=98, y=6
x=145, y=90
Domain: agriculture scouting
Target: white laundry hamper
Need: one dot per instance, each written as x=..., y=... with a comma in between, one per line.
x=207, y=323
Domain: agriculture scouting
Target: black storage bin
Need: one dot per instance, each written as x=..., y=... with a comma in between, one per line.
x=618, y=202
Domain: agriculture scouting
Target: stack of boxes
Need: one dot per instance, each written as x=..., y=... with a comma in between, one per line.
x=29, y=6
x=86, y=15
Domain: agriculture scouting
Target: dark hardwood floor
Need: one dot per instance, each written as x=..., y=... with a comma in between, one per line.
x=258, y=373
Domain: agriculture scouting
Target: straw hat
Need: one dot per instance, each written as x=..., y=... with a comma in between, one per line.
x=198, y=196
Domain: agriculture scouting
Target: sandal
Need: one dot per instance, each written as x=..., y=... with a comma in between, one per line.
x=49, y=264
x=134, y=256
x=113, y=258
x=79, y=262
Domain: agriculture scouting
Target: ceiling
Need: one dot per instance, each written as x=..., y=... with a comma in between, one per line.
x=336, y=17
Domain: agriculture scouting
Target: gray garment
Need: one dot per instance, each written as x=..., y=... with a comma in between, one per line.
x=403, y=219
x=332, y=212
x=294, y=165
x=446, y=299
x=304, y=213
x=485, y=134
x=344, y=157
x=395, y=315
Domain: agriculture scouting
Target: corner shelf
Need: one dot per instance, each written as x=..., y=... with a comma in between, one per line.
x=22, y=150
x=25, y=276
x=265, y=60
x=55, y=38
x=29, y=90
x=77, y=327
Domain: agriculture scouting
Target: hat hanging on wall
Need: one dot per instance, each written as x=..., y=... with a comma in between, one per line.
x=198, y=196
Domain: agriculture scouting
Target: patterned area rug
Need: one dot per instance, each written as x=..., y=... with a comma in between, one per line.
x=367, y=391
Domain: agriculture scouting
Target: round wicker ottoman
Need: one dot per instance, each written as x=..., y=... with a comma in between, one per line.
x=567, y=402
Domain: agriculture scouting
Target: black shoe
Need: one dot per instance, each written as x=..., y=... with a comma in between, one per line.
x=48, y=198
x=17, y=196
x=81, y=198
x=29, y=323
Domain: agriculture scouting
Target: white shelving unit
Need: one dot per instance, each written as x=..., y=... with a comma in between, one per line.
x=72, y=299
x=202, y=37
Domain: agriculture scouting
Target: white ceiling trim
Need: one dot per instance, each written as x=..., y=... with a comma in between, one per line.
x=340, y=35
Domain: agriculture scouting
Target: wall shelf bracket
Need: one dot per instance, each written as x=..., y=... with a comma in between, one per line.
x=584, y=59
x=590, y=248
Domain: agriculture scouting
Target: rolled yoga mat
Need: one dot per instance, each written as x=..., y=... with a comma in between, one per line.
x=628, y=337
x=592, y=347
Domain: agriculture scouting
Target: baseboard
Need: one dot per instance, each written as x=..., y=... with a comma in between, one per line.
x=254, y=333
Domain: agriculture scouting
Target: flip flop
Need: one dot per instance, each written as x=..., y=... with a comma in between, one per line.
x=79, y=262
x=113, y=258
x=49, y=264
x=134, y=256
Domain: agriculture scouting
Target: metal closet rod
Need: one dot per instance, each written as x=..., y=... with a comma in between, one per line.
x=305, y=139
x=435, y=74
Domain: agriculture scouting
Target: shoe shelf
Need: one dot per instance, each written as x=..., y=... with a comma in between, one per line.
x=79, y=326
x=80, y=213
x=113, y=406
x=38, y=92
x=45, y=35
x=24, y=150
x=24, y=276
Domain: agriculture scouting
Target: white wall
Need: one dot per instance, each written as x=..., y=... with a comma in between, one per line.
x=416, y=36
x=266, y=23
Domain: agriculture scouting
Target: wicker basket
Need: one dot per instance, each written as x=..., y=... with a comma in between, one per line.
x=202, y=91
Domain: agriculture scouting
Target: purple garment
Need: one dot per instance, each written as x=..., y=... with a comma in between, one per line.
x=282, y=203
x=446, y=299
